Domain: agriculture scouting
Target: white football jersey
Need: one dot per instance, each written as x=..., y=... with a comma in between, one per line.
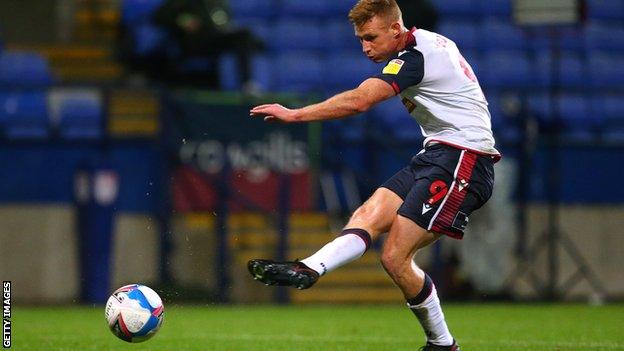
x=441, y=92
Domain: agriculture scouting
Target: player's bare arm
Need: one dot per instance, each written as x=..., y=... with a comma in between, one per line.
x=348, y=103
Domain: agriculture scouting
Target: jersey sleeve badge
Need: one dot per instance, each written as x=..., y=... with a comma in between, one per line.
x=393, y=67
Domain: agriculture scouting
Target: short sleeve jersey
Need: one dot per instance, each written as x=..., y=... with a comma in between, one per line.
x=441, y=92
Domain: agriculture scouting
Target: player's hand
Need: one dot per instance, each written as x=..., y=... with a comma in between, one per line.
x=273, y=112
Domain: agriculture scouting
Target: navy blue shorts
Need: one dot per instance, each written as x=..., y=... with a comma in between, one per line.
x=442, y=186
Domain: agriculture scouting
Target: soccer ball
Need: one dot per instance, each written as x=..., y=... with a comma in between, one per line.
x=134, y=313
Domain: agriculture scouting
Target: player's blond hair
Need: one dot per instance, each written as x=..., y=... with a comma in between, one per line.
x=364, y=10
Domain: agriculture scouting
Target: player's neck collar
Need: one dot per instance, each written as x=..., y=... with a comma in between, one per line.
x=410, y=39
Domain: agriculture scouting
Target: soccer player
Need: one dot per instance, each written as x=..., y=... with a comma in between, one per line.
x=443, y=184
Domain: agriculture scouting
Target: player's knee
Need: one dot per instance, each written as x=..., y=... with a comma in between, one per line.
x=371, y=216
x=391, y=261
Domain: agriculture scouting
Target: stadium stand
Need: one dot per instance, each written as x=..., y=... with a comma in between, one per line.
x=498, y=34
x=605, y=70
x=259, y=9
x=25, y=115
x=513, y=65
x=574, y=110
x=603, y=36
x=571, y=71
x=24, y=69
x=305, y=9
x=138, y=11
x=351, y=67
x=610, y=109
x=498, y=8
x=605, y=9
x=338, y=35
x=289, y=35
x=299, y=71
x=464, y=33
x=308, y=41
x=80, y=119
x=312, y=51
x=457, y=8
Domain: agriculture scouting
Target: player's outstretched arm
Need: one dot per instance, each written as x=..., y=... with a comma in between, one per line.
x=350, y=102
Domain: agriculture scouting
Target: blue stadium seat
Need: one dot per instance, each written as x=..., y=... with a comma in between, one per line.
x=24, y=69
x=504, y=111
x=4, y=97
x=25, y=115
x=229, y=75
x=149, y=39
x=395, y=122
x=262, y=72
x=260, y=28
x=573, y=107
x=474, y=60
x=347, y=130
x=495, y=108
x=456, y=8
x=244, y=9
x=347, y=70
x=613, y=108
x=298, y=72
x=297, y=35
x=340, y=35
x=568, y=38
x=539, y=105
x=497, y=34
x=80, y=119
x=135, y=11
x=610, y=109
x=499, y=8
x=601, y=36
x=506, y=69
x=230, y=72
x=605, y=9
x=464, y=33
x=575, y=113
x=305, y=8
x=543, y=69
x=606, y=71
x=572, y=72
x=340, y=8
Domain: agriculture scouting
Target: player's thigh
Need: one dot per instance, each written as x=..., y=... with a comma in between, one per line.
x=404, y=239
x=377, y=213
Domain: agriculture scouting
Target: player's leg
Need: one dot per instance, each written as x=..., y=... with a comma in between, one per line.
x=370, y=220
x=439, y=202
x=404, y=240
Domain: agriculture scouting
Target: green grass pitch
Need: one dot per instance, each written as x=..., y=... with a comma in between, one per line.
x=328, y=328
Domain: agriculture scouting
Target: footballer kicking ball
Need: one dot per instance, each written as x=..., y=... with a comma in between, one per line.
x=134, y=313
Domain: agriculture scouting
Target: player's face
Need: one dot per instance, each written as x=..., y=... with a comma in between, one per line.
x=379, y=37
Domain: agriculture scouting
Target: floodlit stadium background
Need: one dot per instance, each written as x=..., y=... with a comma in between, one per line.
x=114, y=173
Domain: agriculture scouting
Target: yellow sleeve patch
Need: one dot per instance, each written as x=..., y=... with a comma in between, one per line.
x=393, y=67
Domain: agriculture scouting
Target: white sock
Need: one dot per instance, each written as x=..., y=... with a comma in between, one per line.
x=431, y=318
x=347, y=247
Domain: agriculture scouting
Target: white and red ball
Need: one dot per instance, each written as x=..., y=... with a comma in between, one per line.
x=134, y=313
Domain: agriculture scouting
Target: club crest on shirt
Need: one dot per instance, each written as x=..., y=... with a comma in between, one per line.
x=393, y=67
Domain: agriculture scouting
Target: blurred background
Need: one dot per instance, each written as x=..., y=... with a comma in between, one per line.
x=129, y=156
